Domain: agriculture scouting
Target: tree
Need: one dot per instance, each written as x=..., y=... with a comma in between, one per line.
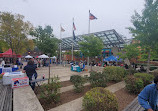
x=30, y=45
x=45, y=39
x=130, y=52
x=76, y=53
x=3, y=46
x=14, y=31
x=154, y=54
x=91, y=46
x=145, y=27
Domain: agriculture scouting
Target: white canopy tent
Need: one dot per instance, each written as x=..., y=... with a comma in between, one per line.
x=53, y=57
x=28, y=56
x=43, y=56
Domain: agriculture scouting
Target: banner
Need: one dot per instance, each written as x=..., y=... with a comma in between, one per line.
x=20, y=82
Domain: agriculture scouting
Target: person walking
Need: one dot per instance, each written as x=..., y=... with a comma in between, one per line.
x=30, y=70
x=148, y=97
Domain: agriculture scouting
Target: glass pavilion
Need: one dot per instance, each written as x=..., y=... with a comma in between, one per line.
x=110, y=39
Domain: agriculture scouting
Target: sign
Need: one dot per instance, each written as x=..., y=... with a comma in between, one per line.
x=20, y=82
x=9, y=69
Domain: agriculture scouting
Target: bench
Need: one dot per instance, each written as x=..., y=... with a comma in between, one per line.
x=5, y=97
x=134, y=106
x=38, y=80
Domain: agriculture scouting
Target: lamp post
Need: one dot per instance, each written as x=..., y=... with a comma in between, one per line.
x=49, y=70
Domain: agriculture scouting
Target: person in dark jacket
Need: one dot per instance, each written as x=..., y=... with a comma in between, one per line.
x=126, y=66
x=30, y=70
x=148, y=97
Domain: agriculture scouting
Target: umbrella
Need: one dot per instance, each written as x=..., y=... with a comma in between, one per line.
x=43, y=56
x=53, y=57
x=28, y=56
x=119, y=59
x=111, y=58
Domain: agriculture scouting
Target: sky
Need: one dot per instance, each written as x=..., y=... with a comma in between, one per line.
x=111, y=14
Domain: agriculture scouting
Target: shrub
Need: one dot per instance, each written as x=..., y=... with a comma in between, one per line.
x=154, y=73
x=114, y=73
x=72, y=78
x=78, y=82
x=50, y=92
x=100, y=99
x=152, y=68
x=97, y=79
x=131, y=71
x=86, y=78
x=133, y=84
x=147, y=78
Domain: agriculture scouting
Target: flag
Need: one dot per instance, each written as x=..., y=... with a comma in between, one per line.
x=74, y=37
x=74, y=28
x=91, y=16
x=62, y=30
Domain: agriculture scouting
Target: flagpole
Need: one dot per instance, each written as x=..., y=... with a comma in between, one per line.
x=72, y=36
x=89, y=24
x=60, y=44
x=72, y=51
x=88, y=33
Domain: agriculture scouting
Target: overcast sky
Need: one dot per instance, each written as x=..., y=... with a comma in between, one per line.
x=111, y=14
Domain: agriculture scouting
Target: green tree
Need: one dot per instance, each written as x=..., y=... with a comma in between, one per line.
x=129, y=51
x=77, y=53
x=145, y=27
x=45, y=39
x=144, y=54
x=68, y=53
x=14, y=31
x=91, y=46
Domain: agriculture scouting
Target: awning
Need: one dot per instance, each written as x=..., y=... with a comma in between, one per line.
x=9, y=53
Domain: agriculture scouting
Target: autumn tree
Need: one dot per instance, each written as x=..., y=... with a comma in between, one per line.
x=14, y=31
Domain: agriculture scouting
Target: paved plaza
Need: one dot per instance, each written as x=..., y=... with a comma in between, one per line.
x=62, y=72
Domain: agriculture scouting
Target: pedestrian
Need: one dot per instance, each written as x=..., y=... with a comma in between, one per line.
x=148, y=97
x=81, y=65
x=126, y=66
x=3, y=62
x=31, y=73
x=142, y=68
x=39, y=63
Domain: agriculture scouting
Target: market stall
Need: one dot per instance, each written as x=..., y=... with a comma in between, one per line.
x=9, y=54
x=11, y=68
x=28, y=57
x=43, y=56
x=8, y=58
x=110, y=58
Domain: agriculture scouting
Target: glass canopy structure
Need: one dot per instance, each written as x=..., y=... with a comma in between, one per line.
x=110, y=39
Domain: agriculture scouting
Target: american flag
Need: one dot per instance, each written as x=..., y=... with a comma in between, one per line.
x=74, y=37
x=91, y=16
x=62, y=30
x=74, y=28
